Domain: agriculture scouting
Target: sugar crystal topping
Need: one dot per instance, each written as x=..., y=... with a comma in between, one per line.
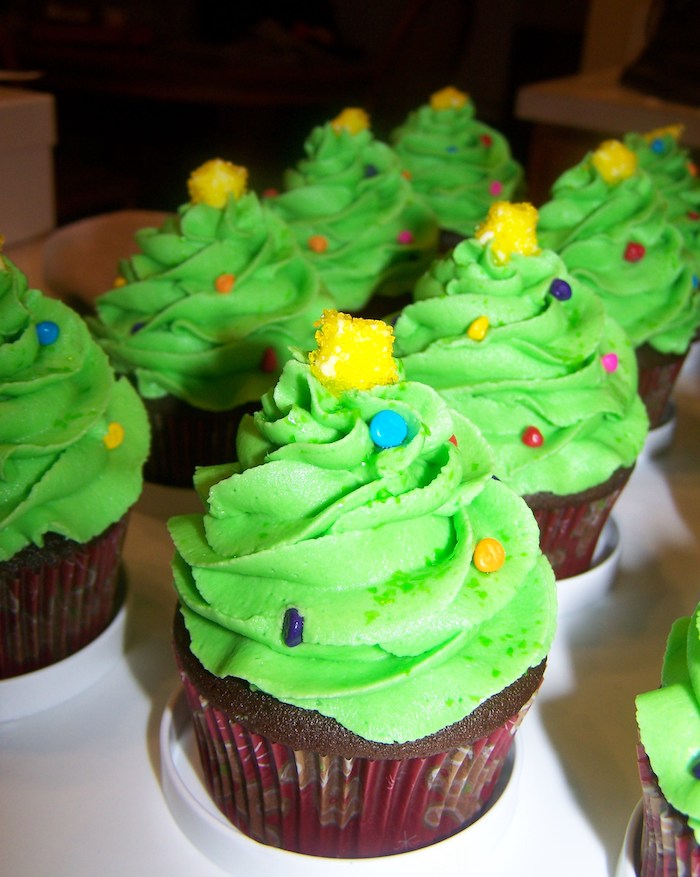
x=614, y=161
x=510, y=228
x=214, y=181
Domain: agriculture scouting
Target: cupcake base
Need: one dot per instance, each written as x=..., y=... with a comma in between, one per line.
x=658, y=373
x=56, y=599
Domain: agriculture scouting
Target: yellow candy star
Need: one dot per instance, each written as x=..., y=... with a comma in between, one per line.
x=675, y=131
x=509, y=228
x=614, y=161
x=213, y=182
x=351, y=119
x=449, y=98
x=353, y=353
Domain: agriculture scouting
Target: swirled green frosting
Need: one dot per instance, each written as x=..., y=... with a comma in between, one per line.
x=540, y=364
x=402, y=634
x=349, y=193
x=669, y=164
x=73, y=439
x=171, y=329
x=459, y=164
x=591, y=223
x=669, y=721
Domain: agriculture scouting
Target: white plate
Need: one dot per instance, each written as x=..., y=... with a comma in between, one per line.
x=576, y=592
x=477, y=846
x=660, y=439
x=629, y=854
x=39, y=690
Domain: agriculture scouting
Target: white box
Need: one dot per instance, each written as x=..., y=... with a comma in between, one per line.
x=27, y=187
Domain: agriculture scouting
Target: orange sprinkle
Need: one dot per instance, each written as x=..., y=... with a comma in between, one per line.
x=224, y=282
x=317, y=243
x=114, y=436
x=407, y=174
x=119, y=281
x=489, y=555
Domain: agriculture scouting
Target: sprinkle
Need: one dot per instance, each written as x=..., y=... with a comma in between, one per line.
x=509, y=228
x=489, y=555
x=496, y=188
x=694, y=215
x=406, y=174
x=610, y=362
x=353, y=353
x=692, y=169
x=371, y=170
x=657, y=146
x=224, y=282
x=387, y=429
x=114, y=436
x=634, y=252
x=453, y=439
x=351, y=119
x=449, y=98
x=532, y=437
x=695, y=767
x=486, y=140
x=696, y=281
x=119, y=282
x=137, y=327
x=405, y=236
x=560, y=289
x=270, y=192
x=293, y=628
x=47, y=332
x=614, y=161
x=213, y=182
x=451, y=149
x=269, y=362
x=317, y=243
x=478, y=328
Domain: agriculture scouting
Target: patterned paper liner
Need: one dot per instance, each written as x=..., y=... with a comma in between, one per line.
x=569, y=531
x=56, y=600
x=333, y=806
x=669, y=848
x=658, y=374
x=183, y=437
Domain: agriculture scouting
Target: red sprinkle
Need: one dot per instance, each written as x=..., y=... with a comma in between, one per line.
x=486, y=139
x=634, y=252
x=453, y=439
x=269, y=362
x=224, y=282
x=532, y=437
x=270, y=193
x=693, y=214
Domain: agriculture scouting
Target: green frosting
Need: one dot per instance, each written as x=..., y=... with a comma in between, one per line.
x=669, y=721
x=539, y=364
x=590, y=223
x=171, y=330
x=402, y=634
x=349, y=190
x=459, y=164
x=57, y=401
x=671, y=168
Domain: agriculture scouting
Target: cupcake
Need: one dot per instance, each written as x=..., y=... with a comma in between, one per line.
x=73, y=442
x=609, y=223
x=457, y=163
x=668, y=755
x=512, y=341
x=356, y=216
x=364, y=612
x=202, y=318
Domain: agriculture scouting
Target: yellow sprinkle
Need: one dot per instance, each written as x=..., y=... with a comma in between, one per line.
x=213, y=182
x=478, y=328
x=675, y=131
x=489, y=555
x=119, y=281
x=351, y=119
x=448, y=98
x=353, y=353
x=614, y=161
x=114, y=436
x=510, y=228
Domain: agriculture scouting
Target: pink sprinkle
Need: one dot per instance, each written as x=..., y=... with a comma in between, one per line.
x=405, y=237
x=610, y=362
x=496, y=188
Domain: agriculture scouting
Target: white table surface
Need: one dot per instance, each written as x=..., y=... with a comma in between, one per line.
x=80, y=791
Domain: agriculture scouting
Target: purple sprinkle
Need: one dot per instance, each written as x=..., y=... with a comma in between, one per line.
x=371, y=170
x=137, y=327
x=695, y=768
x=292, y=627
x=560, y=289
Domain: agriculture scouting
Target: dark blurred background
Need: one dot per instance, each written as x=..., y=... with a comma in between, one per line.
x=145, y=91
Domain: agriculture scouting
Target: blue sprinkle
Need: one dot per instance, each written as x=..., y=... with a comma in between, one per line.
x=657, y=145
x=47, y=332
x=695, y=281
x=137, y=327
x=371, y=170
x=293, y=627
x=388, y=429
x=695, y=768
x=560, y=289
x=451, y=149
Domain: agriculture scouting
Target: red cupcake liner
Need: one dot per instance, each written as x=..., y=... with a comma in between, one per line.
x=569, y=533
x=339, y=807
x=183, y=437
x=55, y=600
x=669, y=848
x=658, y=374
